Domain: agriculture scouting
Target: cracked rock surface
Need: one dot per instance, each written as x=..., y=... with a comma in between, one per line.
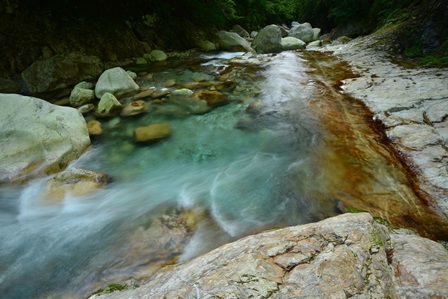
x=413, y=106
x=348, y=256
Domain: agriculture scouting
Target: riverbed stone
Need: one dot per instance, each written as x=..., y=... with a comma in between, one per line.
x=84, y=109
x=144, y=94
x=213, y=98
x=316, y=34
x=240, y=31
x=108, y=105
x=94, y=127
x=231, y=41
x=74, y=182
x=37, y=137
x=206, y=46
x=135, y=108
x=292, y=43
x=61, y=71
x=436, y=110
x=115, y=81
x=152, y=133
x=81, y=96
x=268, y=40
x=303, y=32
x=350, y=255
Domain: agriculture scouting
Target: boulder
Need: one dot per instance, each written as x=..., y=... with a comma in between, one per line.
x=37, y=137
x=292, y=43
x=183, y=92
x=231, y=41
x=253, y=34
x=158, y=55
x=144, y=93
x=240, y=31
x=81, y=96
x=61, y=71
x=268, y=40
x=152, y=133
x=108, y=106
x=132, y=74
x=115, y=81
x=316, y=35
x=294, y=23
x=74, y=182
x=316, y=43
x=141, y=61
x=206, y=46
x=303, y=32
x=84, y=109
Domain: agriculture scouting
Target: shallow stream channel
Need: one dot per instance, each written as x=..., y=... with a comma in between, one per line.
x=286, y=147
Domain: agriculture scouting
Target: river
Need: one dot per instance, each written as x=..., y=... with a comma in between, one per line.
x=289, y=148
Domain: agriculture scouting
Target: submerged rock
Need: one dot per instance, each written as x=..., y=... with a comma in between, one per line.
x=152, y=133
x=345, y=256
x=74, y=182
x=95, y=128
x=115, y=81
x=37, y=137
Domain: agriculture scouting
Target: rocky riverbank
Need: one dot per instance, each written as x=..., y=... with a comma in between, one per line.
x=411, y=103
x=346, y=256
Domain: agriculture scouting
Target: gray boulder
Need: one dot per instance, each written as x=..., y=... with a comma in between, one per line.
x=303, y=32
x=38, y=138
x=115, y=81
x=268, y=40
x=240, y=31
x=292, y=43
x=294, y=23
x=231, y=41
x=61, y=71
x=108, y=106
x=81, y=96
x=316, y=35
x=158, y=55
x=316, y=43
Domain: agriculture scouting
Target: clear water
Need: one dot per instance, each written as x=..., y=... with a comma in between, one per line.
x=249, y=171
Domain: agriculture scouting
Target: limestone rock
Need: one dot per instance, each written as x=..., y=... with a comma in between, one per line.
x=268, y=40
x=108, y=105
x=135, y=108
x=144, y=94
x=316, y=43
x=420, y=267
x=303, y=32
x=61, y=71
x=292, y=43
x=84, y=109
x=81, y=96
x=157, y=94
x=95, y=128
x=158, y=55
x=231, y=41
x=37, y=137
x=414, y=136
x=75, y=182
x=115, y=81
x=437, y=110
x=141, y=61
x=132, y=74
x=183, y=92
x=152, y=133
x=84, y=84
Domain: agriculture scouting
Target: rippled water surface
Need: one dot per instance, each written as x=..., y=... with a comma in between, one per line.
x=253, y=164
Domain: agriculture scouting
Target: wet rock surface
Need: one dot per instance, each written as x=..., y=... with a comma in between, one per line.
x=345, y=256
x=411, y=103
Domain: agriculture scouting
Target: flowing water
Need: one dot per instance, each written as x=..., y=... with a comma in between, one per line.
x=269, y=158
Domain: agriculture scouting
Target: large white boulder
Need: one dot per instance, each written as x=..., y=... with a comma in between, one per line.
x=292, y=43
x=37, y=137
x=303, y=32
x=115, y=81
x=268, y=40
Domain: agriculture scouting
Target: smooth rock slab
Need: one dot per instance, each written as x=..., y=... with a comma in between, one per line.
x=292, y=43
x=38, y=138
x=414, y=136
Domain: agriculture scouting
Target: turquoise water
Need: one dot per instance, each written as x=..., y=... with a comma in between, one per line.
x=249, y=168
